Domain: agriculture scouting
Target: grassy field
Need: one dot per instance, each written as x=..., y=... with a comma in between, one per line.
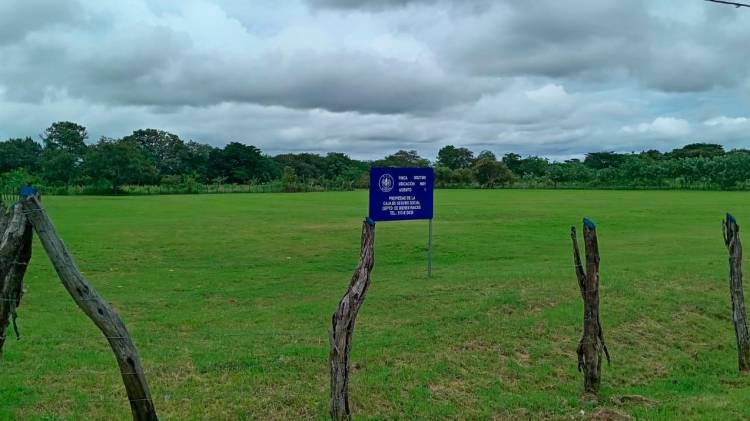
x=229, y=297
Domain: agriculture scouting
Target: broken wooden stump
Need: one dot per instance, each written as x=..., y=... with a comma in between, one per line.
x=591, y=345
x=343, y=324
x=15, y=253
x=96, y=308
x=734, y=247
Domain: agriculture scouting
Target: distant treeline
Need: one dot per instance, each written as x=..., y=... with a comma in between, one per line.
x=151, y=161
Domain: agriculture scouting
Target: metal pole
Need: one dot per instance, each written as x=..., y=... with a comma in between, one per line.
x=429, y=252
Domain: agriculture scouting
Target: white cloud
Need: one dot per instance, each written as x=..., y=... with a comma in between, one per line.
x=726, y=121
x=550, y=94
x=661, y=127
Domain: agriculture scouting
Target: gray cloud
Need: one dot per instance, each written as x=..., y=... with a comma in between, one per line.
x=358, y=4
x=19, y=18
x=369, y=77
x=155, y=65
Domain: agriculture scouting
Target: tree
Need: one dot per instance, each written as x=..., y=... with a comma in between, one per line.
x=443, y=176
x=20, y=153
x=64, y=149
x=288, y=179
x=731, y=170
x=166, y=150
x=196, y=160
x=533, y=165
x=307, y=166
x=336, y=165
x=570, y=171
x=639, y=170
x=455, y=158
x=513, y=162
x=489, y=172
x=463, y=176
x=557, y=173
x=66, y=136
x=652, y=154
x=60, y=166
x=599, y=160
x=694, y=150
x=486, y=155
x=119, y=162
x=241, y=163
x=404, y=159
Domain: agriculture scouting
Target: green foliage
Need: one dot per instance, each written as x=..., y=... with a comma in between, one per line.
x=490, y=172
x=11, y=183
x=336, y=168
x=152, y=158
x=60, y=166
x=185, y=183
x=167, y=151
x=698, y=150
x=306, y=166
x=403, y=159
x=240, y=163
x=66, y=136
x=533, y=166
x=119, y=162
x=196, y=160
x=19, y=153
x=601, y=160
x=289, y=179
x=513, y=162
x=486, y=155
x=455, y=158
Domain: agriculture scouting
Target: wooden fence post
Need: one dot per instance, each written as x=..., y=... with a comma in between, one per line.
x=15, y=253
x=734, y=246
x=591, y=345
x=343, y=324
x=97, y=309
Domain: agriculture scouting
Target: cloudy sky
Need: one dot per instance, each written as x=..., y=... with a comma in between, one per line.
x=556, y=78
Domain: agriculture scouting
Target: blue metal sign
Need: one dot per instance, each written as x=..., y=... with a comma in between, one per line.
x=398, y=194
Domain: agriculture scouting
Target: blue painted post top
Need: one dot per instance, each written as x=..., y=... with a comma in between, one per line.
x=27, y=191
x=398, y=194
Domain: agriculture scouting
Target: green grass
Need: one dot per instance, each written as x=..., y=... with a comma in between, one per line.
x=229, y=297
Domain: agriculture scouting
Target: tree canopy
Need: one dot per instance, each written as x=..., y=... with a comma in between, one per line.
x=152, y=157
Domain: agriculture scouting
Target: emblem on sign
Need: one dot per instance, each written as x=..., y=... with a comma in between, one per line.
x=386, y=183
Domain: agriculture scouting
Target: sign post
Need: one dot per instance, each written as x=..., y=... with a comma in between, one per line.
x=403, y=194
x=429, y=252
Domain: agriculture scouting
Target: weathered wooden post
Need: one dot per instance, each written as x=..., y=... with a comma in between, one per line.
x=734, y=246
x=15, y=253
x=343, y=324
x=591, y=344
x=96, y=308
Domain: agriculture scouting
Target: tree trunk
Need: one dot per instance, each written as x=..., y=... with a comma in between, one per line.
x=343, y=325
x=15, y=253
x=734, y=246
x=591, y=345
x=98, y=310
